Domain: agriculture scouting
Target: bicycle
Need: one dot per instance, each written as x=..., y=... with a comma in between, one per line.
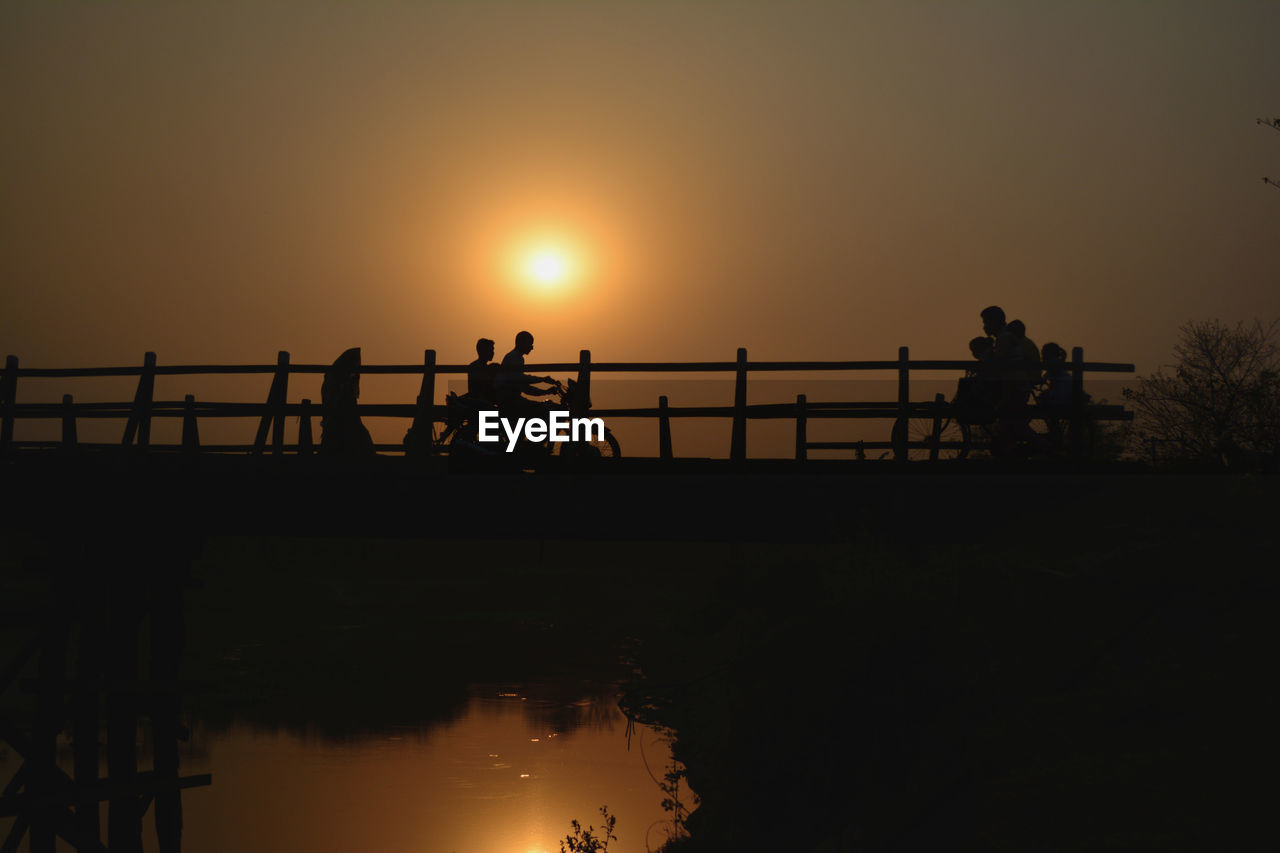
x=966, y=426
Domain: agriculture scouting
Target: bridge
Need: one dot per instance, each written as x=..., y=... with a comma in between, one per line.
x=920, y=429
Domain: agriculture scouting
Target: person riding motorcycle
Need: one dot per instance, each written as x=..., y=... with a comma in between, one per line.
x=501, y=387
x=512, y=384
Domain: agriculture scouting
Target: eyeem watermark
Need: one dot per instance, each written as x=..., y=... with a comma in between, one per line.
x=559, y=427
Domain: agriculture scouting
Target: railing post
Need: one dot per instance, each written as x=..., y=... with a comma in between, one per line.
x=274, y=416
x=190, y=429
x=68, y=423
x=277, y=426
x=583, y=402
x=139, y=423
x=427, y=399
x=939, y=403
x=904, y=405
x=8, y=393
x=305, y=445
x=738, y=439
x=420, y=439
x=802, y=428
x=1077, y=400
x=664, y=430
x=277, y=405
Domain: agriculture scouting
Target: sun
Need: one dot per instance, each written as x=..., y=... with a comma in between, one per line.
x=548, y=266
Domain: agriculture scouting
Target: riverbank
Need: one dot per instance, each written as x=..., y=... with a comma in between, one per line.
x=1020, y=659
x=1039, y=683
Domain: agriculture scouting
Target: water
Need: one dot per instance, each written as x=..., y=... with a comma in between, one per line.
x=506, y=776
x=496, y=779
x=343, y=697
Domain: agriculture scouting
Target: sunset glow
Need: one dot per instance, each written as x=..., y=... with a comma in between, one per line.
x=499, y=425
x=896, y=167
x=548, y=266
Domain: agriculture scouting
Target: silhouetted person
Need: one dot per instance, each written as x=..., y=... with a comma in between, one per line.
x=996, y=328
x=983, y=350
x=512, y=383
x=1012, y=350
x=1056, y=390
x=481, y=373
x=979, y=389
x=1003, y=348
x=341, y=432
x=462, y=411
x=1056, y=382
x=1026, y=355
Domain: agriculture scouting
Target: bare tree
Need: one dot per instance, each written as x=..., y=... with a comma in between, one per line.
x=1274, y=124
x=1222, y=398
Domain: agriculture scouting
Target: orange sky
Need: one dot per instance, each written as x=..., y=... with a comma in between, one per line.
x=216, y=182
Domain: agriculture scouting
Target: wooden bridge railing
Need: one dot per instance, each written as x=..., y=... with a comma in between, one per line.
x=272, y=413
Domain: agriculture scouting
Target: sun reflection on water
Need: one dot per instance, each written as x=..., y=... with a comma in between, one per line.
x=503, y=776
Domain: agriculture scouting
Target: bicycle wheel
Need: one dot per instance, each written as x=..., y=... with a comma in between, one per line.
x=979, y=438
x=953, y=438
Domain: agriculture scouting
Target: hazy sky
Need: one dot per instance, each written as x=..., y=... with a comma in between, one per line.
x=810, y=180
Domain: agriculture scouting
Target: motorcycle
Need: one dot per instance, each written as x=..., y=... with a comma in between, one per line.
x=461, y=429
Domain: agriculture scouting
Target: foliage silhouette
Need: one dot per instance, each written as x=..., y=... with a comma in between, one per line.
x=1222, y=400
x=587, y=840
x=671, y=802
